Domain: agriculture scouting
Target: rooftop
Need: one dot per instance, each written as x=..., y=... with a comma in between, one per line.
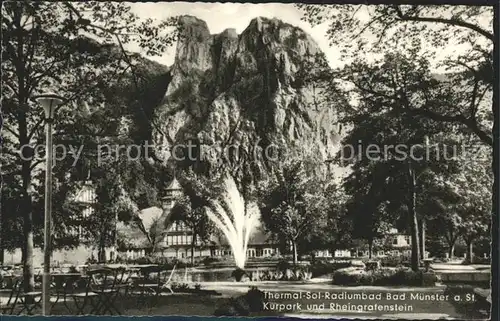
x=174, y=185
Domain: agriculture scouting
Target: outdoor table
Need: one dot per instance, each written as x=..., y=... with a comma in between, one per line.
x=142, y=271
x=59, y=279
x=8, y=280
x=62, y=283
x=115, y=266
x=143, y=266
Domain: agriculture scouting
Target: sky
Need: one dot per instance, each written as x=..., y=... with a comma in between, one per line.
x=220, y=16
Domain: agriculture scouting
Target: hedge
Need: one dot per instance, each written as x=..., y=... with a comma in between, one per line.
x=385, y=277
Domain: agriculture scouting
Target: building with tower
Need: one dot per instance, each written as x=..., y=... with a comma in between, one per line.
x=178, y=237
x=177, y=241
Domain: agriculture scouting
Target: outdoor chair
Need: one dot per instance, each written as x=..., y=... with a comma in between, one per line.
x=147, y=291
x=29, y=300
x=166, y=283
x=83, y=296
x=103, y=282
x=14, y=292
x=122, y=283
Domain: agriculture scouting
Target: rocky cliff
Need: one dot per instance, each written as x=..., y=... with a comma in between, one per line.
x=244, y=96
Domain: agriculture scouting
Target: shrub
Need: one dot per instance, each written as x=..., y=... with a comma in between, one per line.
x=255, y=299
x=140, y=261
x=430, y=279
x=252, y=301
x=394, y=261
x=179, y=286
x=164, y=262
x=238, y=274
x=283, y=265
x=298, y=274
x=320, y=268
x=343, y=278
x=210, y=260
x=241, y=306
x=372, y=265
x=384, y=277
x=271, y=275
x=226, y=309
x=81, y=284
x=367, y=279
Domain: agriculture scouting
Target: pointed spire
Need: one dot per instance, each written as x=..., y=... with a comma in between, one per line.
x=174, y=185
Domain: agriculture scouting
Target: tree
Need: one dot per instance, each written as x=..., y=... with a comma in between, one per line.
x=388, y=140
x=365, y=207
x=414, y=27
x=445, y=222
x=11, y=225
x=458, y=211
x=430, y=161
x=338, y=227
x=155, y=233
x=47, y=46
x=474, y=207
x=291, y=206
x=334, y=231
x=141, y=229
x=352, y=25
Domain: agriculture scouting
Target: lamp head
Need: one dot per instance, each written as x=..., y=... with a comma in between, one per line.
x=49, y=103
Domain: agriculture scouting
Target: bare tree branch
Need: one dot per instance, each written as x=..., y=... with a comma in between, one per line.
x=471, y=124
x=451, y=22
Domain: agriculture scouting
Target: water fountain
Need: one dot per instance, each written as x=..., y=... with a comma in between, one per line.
x=236, y=219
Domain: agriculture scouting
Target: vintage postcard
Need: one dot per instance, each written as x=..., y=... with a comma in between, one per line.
x=245, y=159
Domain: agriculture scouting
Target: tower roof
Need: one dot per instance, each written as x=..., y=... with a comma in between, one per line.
x=174, y=185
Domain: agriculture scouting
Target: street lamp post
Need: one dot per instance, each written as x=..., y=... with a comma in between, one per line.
x=424, y=227
x=49, y=103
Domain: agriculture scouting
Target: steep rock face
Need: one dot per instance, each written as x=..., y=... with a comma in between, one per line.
x=245, y=91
